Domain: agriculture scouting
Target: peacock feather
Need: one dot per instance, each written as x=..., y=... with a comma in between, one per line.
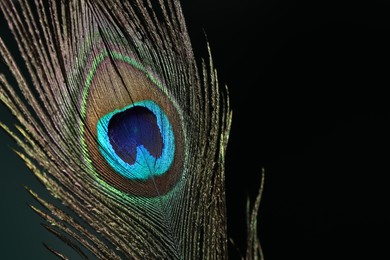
x=122, y=124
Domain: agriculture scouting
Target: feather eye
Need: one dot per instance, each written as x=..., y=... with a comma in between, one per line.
x=126, y=128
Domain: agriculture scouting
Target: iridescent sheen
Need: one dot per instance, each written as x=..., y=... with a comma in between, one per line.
x=137, y=141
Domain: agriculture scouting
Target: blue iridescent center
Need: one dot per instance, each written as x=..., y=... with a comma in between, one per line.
x=137, y=141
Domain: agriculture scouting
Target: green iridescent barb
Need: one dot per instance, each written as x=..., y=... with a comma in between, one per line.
x=121, y=125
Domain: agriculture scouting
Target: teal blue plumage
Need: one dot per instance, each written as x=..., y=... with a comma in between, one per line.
x=121, y=124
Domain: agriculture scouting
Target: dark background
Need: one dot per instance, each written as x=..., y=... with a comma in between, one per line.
x=308, y=86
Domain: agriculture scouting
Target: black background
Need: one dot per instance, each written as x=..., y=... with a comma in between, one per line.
x=308, y=87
